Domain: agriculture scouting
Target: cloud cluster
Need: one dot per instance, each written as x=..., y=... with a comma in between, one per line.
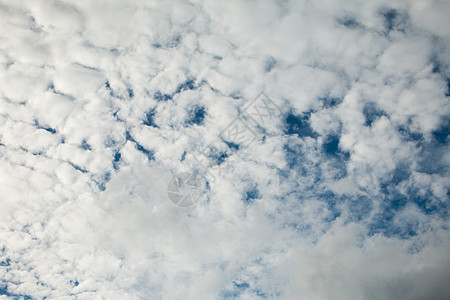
x=342, y=192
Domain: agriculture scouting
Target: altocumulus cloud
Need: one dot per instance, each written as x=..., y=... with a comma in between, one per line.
x=343, y=192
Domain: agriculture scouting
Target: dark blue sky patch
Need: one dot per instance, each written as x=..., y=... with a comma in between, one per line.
x=5, y=263
x=441, y=134
x=241, y=285
x=46, y=128
x=130, y=92
x=139, y=147
x=340, y=167
x=436, y=62
x=51, y=87
x=331, y=145
x=128, y=137
x=431, y=159
x=187, y=85
x=197, y=115
x=78, y=168
x=104, y=181
x=158, y=96
x=389, y=187
x=232, y=146
x=407, y=230
x=359, y=207
x=109, y=89
x=410, y=136
x=330, y=198
x=150, y=118
x=299, y=125
x=237, y=289
x=429, y=205
x=296, y=163
x=4, y=292
x=401, y=173
x=87, y=67
x=260, y=293
x=394, y=202
x=349, y=22
x=393, y=19
x=116, y=160
x=85, y=146
x=384, y=224
x=393, y=199
x=390, y=16
x=385, y=221
x=74, y=282
x=328, y=102
x=218, y=157
x=338, y=158
x=293, y=154
x=110, y=143
x=216, y=154
x=372, y=113
x=149, y=153
x=355, y=207
x=251, y=194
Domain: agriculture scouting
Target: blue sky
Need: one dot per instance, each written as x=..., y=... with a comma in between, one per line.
x=317, y=134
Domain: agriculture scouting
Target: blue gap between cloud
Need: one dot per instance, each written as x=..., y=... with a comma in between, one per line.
x=148, y=153
x=299, y=125
x=150, y=118
x=372, y=113
x=197, y=115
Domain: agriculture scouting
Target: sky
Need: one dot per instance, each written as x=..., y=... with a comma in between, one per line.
x=204, y=149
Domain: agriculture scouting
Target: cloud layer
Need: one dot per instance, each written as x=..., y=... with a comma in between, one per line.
x=337, y=189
